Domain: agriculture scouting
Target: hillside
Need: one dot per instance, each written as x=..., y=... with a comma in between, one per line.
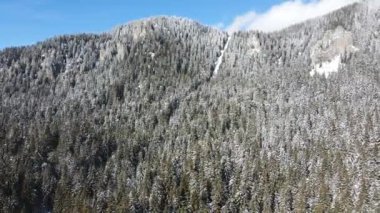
x=167, y=115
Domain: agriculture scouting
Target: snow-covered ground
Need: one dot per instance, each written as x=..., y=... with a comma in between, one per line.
x=220, y=59
x=328, y=67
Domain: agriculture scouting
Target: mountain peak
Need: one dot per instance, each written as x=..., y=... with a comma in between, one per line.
x=155, y=23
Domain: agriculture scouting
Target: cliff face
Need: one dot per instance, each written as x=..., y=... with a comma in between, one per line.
x=138, y=120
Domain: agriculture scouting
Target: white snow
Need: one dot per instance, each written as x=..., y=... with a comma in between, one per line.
x=253, y=51
x=354, y=49
x=220, y=59
x=254, y=46
x=328, y=67
x=152, y=54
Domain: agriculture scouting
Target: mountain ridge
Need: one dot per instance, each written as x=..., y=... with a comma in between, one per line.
x=186, y=20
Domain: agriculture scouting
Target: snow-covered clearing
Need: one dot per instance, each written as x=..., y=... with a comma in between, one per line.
x=220, y=59
x=328, y=67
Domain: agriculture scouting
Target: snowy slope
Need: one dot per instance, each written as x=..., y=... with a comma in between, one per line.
x=220, y=59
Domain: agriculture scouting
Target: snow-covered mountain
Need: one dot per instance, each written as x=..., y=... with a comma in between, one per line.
x=167, y=115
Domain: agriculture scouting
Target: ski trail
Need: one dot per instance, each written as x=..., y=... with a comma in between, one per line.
x=220, y=59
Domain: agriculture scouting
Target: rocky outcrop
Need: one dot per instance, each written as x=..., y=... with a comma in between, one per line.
x=326, y=53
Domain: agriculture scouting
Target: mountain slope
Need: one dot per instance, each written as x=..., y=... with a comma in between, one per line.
x=136, y=120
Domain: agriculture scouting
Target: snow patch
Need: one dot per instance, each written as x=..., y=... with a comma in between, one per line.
x=327, y=67
x=254, y=51
x=254, y=46
x=220, y=59
x=152, y=54
x=354, y=49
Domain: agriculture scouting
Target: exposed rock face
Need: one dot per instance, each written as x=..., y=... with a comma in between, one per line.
x=335, y=42
x=326, y=54
x=136, y=121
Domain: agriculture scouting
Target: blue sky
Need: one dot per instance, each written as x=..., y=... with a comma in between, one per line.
x=25, y=22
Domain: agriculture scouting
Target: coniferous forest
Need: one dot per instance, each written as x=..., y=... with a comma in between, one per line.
x=138, y=119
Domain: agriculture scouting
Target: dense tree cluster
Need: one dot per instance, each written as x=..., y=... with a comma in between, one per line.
x=136, y=121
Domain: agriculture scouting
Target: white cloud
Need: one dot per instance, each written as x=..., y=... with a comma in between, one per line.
x=286, y=14
x=373, y=4
x=242, y=22
x=219, y=25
